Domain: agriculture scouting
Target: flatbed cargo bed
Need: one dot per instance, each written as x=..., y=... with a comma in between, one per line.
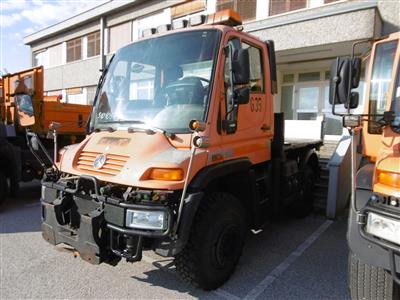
x=295, y=144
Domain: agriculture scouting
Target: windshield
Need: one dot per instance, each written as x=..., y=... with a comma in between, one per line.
x=163, y=82
x=380, y=82
x=395, y=105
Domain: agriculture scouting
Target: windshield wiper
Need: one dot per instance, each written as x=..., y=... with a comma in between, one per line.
x=150, y=129
x=147, y=128
x=109, y=129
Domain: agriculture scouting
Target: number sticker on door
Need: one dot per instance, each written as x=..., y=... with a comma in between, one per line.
x=255, y=104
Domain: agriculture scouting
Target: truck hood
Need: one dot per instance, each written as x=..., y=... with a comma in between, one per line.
x=127, y=158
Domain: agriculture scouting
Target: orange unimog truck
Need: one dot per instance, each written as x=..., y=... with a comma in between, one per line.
x=17, y=162
x=184, y=154
x=374, y=220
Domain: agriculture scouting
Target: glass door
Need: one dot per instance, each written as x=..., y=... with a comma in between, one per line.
x=307, y=101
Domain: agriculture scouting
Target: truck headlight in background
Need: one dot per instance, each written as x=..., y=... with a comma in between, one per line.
x=388, y=178
x=146, y=219
x=383, y=227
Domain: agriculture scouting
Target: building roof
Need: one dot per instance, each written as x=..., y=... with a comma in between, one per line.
x=76, y=21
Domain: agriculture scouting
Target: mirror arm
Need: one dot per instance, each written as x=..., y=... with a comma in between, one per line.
x=335, y=79
x=39, y=159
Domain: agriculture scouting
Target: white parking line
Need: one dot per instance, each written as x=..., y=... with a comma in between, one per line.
x=283, y=266
x=220, y=292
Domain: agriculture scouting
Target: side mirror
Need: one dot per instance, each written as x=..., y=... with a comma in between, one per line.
x=26, y=116
x=356, y=73
x=353, y=102
x=340, y=83
x=241, y=66
x=242, y=95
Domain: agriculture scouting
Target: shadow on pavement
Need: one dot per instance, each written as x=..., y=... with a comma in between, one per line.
x=22, y=213
x=165, y=276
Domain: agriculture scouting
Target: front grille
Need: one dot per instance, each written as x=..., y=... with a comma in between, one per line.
x=113, y=165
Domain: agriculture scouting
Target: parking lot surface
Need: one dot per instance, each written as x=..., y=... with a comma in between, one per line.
x=289, y=259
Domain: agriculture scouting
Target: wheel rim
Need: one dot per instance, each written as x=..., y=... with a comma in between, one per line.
x=226, y=245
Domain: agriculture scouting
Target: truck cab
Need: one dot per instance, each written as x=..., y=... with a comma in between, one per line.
x=183, y=156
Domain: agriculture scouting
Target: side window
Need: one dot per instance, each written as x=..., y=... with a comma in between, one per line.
x=256, y=69
x=380, y=82
x=236, y=45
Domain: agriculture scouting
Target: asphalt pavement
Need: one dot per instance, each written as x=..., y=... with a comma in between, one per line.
x=289, y=259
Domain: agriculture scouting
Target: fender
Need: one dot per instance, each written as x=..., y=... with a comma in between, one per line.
x=364, y=177
x=249, y=186
x=210, y=173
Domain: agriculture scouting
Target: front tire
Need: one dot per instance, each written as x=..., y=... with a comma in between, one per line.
x=215, y=243
x=370, y=282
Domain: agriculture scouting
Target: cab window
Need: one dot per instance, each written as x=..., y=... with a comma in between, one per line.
x=256, y=69
x=380, y=82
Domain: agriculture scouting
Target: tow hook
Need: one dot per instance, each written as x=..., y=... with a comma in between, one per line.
x=133, y=250
x=361, y=219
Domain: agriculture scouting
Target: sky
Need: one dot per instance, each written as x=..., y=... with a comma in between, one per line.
x=19, y=18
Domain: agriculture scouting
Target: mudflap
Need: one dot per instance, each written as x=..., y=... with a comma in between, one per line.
x=88, y=239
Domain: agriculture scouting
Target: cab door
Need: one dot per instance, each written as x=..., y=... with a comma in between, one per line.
x=254, y=120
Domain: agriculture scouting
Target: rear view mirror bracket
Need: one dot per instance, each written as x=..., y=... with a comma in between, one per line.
x=35, y=145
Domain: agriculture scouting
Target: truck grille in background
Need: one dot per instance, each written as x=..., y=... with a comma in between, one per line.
x=113, y=165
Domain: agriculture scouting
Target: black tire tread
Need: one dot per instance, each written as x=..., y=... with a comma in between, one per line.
x=185, y=260
x=370, y=282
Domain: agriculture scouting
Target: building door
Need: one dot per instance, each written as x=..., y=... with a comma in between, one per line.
x=307, y=101
x=305, y=96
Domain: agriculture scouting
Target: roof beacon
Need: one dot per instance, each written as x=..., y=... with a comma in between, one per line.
x=227, y=17
x=197, y=20
x=179, y=24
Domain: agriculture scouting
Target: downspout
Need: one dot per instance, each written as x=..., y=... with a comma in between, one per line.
x=102, y=40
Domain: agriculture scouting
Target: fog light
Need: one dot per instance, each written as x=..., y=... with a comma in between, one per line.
x=384, y=227
x=146, y=219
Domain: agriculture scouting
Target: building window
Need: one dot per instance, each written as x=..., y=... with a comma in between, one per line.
x=187, y=8
x=41, y=58
x=309, y=76
x=120, y=35
x=74, y=49
x=93, y=46
x=90, y=93
x=281, y=6
x=246, y=8
x=75, y=96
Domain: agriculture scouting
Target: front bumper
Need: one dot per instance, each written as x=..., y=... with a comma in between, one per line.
x=95, y=225
x=369, y=248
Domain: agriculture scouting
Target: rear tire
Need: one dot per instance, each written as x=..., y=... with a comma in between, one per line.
x=3, y=187
x=303, y=205
x=215, y=242
x=370, y=282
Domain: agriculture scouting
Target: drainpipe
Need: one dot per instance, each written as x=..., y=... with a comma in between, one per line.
x=102, y=40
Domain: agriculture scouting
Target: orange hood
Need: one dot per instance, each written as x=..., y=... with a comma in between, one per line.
x=130, y=157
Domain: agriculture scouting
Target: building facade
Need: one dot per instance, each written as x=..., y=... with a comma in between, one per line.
x=308, y=34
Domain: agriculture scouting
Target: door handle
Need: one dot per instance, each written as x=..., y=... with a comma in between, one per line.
x=265, y=127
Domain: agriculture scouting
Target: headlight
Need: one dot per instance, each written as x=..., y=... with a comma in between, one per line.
x=384, y=227
x=146, y=219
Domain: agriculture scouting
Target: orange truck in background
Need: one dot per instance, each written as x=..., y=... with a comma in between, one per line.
x=374, y=219
x=17, y=163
